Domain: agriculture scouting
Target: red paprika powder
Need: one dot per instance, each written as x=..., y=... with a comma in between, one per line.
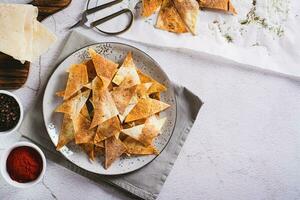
x=24, y=164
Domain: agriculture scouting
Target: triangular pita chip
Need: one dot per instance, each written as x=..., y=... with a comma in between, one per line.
x=142, y=90
x=149, y=7
x=85, y=112
x=78, y=77
x=169, y=19
x=108, y=129
x=90, y=150
x=83, y=133
x=135, y=147
x=104, y=67
x=145, y=108
x=133, y=101
x=74, y=105
x=224, y=5
x=188, y=11
x=127, y=75
x=145, y=133
x=122, y=97
x=104, y=107
x=155, y=87
x=114, y=148
x=67, y=132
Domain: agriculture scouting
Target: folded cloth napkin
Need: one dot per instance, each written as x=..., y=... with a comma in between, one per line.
x=145, y=183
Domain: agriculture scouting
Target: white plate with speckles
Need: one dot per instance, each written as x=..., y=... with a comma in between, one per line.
x=115, y=52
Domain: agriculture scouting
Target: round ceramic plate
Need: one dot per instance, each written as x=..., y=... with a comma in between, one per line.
x=115, y=52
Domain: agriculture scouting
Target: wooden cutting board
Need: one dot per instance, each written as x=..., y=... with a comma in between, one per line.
x=13, y=74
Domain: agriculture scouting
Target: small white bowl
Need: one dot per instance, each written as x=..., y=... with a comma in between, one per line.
x=4, y=160
x=13, y=130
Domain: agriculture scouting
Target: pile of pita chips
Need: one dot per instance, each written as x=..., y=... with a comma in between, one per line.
x=180, y=16
x=110, y=110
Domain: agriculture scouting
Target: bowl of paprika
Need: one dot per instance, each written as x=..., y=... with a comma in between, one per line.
x=23, y=164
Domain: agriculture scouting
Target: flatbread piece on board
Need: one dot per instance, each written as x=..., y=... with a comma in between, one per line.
x=188, y=11
x=169, y=19
x=224, y=5
x=150, y=6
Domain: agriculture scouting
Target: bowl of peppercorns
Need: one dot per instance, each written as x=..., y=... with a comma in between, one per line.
x=11, y=113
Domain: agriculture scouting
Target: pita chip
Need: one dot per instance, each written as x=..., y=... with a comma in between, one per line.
x=142, y=90
x=83, y=133
x=127, y=75
x=78, y=77
x=104, y=107
x=169, y=19
x=188, y=11
x=85, y=112
x=145, y=108
x=135, y=147
x=155, y=87
x=122, y=97
x=104, y=67
x=149, y=7
x=114, y=148
x=133, y=101
x=67, y=132
x=74, y=105
x=223, y=5
x=145, y=133
x=89, y=150
x=108, y=129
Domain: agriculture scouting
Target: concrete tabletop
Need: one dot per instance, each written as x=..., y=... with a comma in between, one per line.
x=245, y=143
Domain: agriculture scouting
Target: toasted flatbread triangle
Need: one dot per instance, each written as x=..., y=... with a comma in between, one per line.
x=169, y=19
x=67, y=132
x=104, y=108
x=127, y=75
x=122, y=97
x=83, y=133
x=145, y=133
x=149, y=7
x=114, y=148
x=89, y=150
x=142, y=90
x=84, y=111
x=224, y=5
x=135, y=147
x=145, y=108
x=188, y=11
x=133, y=101
x=104, y=67
x=78, y=77
x=74, y=105
x=155, y=87
x=107, y=129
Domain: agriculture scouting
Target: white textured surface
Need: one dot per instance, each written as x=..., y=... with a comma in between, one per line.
x=245, y=143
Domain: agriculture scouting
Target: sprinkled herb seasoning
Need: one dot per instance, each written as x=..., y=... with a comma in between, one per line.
x=9, y=112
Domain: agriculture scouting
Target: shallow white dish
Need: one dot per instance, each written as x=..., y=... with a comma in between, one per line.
x=5, y=174
x=115, y=52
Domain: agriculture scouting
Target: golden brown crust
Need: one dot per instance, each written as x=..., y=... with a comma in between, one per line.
x=188, y=11
x=114, y=148
x=169, y=19
x=224, y=5
x=150, y=6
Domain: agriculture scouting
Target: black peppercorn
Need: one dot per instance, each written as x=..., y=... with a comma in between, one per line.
x=9, y=112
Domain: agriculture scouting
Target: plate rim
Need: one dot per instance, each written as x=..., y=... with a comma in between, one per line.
x=122, y=44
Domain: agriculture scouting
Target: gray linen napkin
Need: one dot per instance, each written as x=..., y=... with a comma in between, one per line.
x=145, y=183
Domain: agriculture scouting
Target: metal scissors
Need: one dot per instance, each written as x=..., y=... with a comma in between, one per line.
x=94, y=24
